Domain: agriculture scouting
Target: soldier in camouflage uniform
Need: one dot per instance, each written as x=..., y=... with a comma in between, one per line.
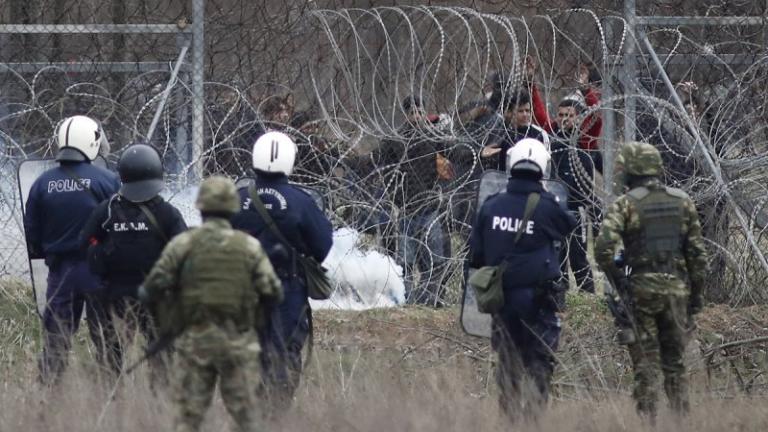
x=660, y=230
x=218, y=277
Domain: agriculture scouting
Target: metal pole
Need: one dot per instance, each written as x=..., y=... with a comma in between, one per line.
x=718, y=21
x=713, y=167
x=630, y=70
x=608, y=135
x=89, y=28
x=180, y=144
x=166, y=92
x=198, y=93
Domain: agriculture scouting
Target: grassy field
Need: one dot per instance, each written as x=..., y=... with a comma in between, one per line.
x=409, y=369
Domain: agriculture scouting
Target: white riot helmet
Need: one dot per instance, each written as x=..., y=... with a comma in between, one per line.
x=530, y=155
x=79, y=139
x=274, y=152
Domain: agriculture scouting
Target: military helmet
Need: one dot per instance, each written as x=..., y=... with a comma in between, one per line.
x=218, y=194
x=141, y=172
x=640, y=159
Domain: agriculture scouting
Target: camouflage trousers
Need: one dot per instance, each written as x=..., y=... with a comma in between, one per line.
x=209, y=353
x=661, y=325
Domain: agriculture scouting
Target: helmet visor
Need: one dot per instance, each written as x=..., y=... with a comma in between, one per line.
x=142, y=190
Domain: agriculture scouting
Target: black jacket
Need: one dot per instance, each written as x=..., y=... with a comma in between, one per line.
x=574, y=167
x=506, y=137
x=412, y=163
x=129, y=239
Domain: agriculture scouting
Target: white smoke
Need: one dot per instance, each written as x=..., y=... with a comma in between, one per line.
x=363, y=279
x=184, y=200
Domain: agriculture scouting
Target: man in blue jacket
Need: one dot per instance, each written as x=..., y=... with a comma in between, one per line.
x=526, y=330
x=60, y=202
x=308, y=232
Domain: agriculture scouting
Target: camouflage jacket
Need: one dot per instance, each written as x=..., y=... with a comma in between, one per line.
x=174, y=271
x=622, y=223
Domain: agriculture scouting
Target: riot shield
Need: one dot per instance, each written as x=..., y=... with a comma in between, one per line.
x=27, y=172
x=492, y=182
x=314, y=193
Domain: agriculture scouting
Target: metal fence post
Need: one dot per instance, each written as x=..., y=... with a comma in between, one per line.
x=608, y=135
x=629, y=75
x=198, y=92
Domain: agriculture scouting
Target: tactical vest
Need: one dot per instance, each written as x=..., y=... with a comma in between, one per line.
x=656, y=246
x=216, y=279
x=133, y=243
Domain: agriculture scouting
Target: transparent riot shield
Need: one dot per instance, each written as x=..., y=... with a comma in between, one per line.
x=492, y=182
x=27, y=172
x=314, y=193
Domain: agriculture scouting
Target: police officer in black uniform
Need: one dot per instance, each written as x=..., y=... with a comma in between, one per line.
x=526, y=330
x=307, y=231
x=124, y=237
x=59, y=203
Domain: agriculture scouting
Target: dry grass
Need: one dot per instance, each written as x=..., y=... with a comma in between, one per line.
x=410, y=369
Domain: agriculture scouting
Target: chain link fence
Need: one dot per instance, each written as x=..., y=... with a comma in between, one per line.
x=201, y=80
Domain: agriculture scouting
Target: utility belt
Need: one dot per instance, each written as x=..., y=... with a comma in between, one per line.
x=666, y=268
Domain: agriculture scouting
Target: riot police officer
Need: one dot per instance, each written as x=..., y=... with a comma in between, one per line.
x=307, y=231
x=59, y=203
x=663, y=246
x=124, y=236
x=522, y=227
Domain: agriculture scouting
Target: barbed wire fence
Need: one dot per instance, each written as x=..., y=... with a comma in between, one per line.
x=208, y=77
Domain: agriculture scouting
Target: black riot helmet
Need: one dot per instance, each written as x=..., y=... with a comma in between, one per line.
x=141, y=172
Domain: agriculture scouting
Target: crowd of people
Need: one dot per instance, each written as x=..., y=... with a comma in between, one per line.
x=220, y=297
x=416, y=189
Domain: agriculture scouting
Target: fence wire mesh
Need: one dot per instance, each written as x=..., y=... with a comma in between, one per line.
x=335, y=75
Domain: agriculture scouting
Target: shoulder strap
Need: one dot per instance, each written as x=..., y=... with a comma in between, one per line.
x=153, y=220
x=676, y=192
x=530, y=206
x=258, y=204
x=71, y=173
x=638, y=193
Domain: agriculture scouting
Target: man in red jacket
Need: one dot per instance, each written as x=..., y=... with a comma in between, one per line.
x=574, y=165
x=588, y=95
